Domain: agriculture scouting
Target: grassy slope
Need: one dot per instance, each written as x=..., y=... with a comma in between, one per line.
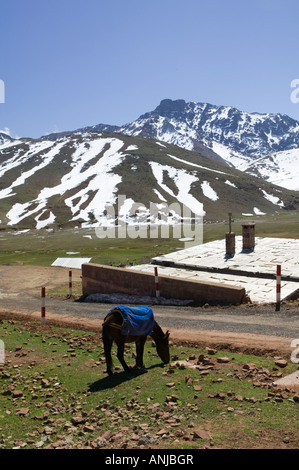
x=140, y=184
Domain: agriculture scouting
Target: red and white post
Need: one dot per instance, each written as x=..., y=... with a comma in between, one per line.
x=70, y=284
x=43, y=304
x=157, y=282
x=278, y=287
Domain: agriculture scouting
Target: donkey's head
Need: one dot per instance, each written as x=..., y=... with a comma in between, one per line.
x=162, y=345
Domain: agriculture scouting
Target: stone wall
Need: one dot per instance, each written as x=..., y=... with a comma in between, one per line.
x=107, y=279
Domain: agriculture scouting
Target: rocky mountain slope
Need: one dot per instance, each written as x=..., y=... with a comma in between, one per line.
x=115, y=178
x=5, y=138
x=222, y=133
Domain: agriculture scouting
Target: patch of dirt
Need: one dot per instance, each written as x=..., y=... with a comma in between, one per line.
x=16, y=279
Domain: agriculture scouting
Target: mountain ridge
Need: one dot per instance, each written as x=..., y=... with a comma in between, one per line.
x=73, y=180
x=222, y=133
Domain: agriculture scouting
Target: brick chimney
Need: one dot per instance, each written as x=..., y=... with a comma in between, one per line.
x=248, y=235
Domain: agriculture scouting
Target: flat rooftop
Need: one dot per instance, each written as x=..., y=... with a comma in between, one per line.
x=254, y=270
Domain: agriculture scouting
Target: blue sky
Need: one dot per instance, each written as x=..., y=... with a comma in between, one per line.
x=73, y=63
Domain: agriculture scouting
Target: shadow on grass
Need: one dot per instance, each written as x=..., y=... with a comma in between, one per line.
x=118, y=378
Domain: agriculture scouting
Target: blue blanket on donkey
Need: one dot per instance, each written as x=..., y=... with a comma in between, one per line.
x=137, y=321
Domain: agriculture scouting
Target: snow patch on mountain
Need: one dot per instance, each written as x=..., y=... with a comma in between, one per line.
x=100, y=177
x=47, y=158
x=183, y=182
x=281, y=168
x=274, y=199
x=196, y=165
x=208, y=191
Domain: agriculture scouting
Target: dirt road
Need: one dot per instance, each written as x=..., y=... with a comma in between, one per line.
x=249, y=328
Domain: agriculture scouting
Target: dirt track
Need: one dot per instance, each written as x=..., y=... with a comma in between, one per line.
x=256, y=329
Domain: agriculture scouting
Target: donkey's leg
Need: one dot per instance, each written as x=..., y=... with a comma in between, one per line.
x=107, y=349
x=139, y=352
x=120, y=356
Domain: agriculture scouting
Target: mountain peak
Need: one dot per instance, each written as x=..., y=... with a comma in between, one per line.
x=169, y=107
x=5, y=138
x=222, y=133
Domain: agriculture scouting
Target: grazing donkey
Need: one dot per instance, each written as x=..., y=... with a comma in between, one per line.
x=132, y=324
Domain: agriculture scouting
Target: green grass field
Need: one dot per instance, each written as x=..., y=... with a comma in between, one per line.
x=54, y=393
x=42, y=248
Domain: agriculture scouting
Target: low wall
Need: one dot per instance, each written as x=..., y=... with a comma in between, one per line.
x=97, y=278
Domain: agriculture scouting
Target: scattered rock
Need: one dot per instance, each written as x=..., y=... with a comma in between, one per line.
x=39, y=444
x=281, y=363
x=249, y=366
x=223, y=360
x=107, y=435
x=88, y=428
x=188, y=379
x=45, y=383
x=99, y=443
x=147, y=439
x=76, y=420
x=199, y=433
x=211, y=351
x=23, y=411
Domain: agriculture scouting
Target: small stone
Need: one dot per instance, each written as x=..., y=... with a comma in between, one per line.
x=39, y=444
x=188, y=379
x=211, y=351
x=238, y=398
x=201, y=434
x=146, y=439
x=249, y=366
x=76, y=420
x=101, y=442
x=88, y=428
x=223, y=360
x=48, y=430
x=107, y=435
x=170, y=384
x=23, y=411
x=200, y=358
x=163, y=432
x=17, y=393
x=252, y=400
x=281, y=363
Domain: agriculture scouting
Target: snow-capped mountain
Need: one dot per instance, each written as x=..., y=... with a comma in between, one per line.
x=222, y=133
x=5, y=138
x=94, y=177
